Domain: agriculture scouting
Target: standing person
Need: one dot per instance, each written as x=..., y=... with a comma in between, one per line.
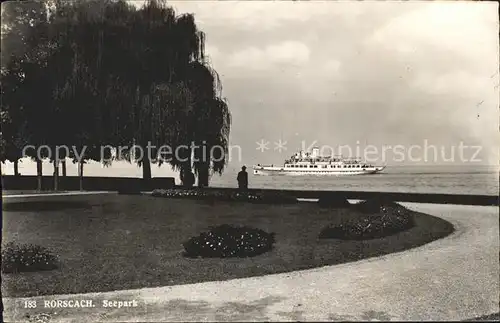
x=190, y=179
x=242, y=179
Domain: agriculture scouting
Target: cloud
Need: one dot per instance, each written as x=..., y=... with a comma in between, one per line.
x=391, y=72
x=332, y=66
x=461, y=83
x=453, y=27
x=286, y=53
x=264, y=15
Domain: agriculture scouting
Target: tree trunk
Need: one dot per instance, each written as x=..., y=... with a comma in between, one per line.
x=186, y=175
x=146, y=169
x=39, y=174
x=1, y=176
x=16, y=167
x=80, y=173
x=63, y=166
x=56, y=175
x=203, y=175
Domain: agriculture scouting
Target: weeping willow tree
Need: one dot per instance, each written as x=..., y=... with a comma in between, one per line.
x=92, y=95
x=211, y=120
x=177, y=94
x=20, y=20
x=103, y=73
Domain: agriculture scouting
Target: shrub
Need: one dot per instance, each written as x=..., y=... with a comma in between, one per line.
x=27, y=258
x=179, y=193
x=227, y=241
x=388, y=221
x=376, y=205
x=158, y=192
x=333, y=200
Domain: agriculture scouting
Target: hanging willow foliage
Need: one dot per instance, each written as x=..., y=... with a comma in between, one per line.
x=110, y=74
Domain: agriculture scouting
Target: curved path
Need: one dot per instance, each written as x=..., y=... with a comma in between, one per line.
x=455, y=278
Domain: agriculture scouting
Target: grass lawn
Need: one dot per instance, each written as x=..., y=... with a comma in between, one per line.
x=113, y=242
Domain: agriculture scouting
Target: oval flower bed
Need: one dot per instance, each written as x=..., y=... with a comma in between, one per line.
x=228, y=241
x=379, y=219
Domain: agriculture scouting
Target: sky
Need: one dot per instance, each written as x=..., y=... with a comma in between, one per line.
x=356, y=73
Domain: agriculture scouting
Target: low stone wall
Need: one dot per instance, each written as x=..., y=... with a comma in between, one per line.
x=436, y=198
x=72, y=183
x=90, y=183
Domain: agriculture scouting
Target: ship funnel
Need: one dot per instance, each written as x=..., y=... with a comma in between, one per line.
x=315, y=152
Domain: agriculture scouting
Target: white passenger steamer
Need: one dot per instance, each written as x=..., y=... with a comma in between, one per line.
x=305, y=163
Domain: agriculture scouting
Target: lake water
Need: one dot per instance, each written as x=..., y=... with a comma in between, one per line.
x=409, y=179
x=452, y=179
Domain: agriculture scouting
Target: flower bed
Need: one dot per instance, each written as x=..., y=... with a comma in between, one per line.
x=26, y=258
x=214, y=195
x=227, y=241
x=389, y=219
x=376, y=205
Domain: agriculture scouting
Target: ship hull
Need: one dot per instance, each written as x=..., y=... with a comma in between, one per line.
x=279, y=171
